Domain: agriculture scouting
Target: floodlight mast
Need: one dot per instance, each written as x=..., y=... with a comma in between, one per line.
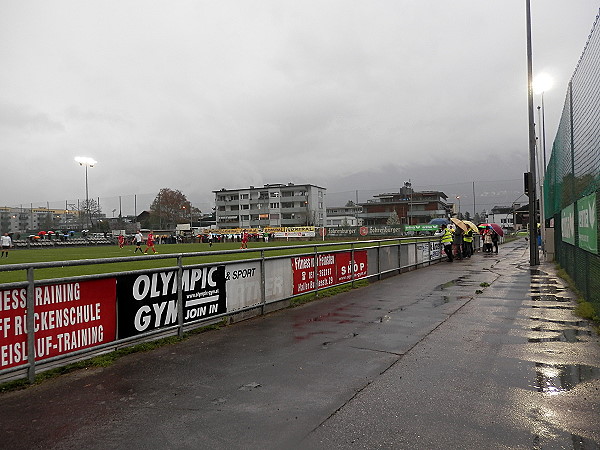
x=87, y=162
x=534, y=257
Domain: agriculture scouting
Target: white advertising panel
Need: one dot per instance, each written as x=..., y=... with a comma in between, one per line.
x=243, y=285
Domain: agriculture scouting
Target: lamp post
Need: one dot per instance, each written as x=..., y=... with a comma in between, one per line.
x=541, y=84
x=534, y=257
x=458, y=198
x=87, y=162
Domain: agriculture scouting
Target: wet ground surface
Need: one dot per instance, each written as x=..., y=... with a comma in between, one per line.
x=479, y=353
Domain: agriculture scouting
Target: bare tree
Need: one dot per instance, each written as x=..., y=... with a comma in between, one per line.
x=169, y=208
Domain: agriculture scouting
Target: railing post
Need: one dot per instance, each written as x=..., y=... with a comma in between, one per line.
x=30, y=325
x=429, y=252
x=379, y=260
x=315, y=271
x=180, y=296
x=416, y=255
x=399, y=256
x=263, y=284
x=352, y=263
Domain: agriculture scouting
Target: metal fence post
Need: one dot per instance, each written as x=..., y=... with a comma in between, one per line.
x=315, y=271
x=379, y=260
x=399, y=256
x=352, y=263
x=416, y=259
x=263, y=284
x=180, y=296
x=30, y=325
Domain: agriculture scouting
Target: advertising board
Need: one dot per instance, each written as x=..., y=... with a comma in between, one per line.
x=67, y=317
x=587, y=224
x=332, y=269
x=148, y=301
x=567, y=224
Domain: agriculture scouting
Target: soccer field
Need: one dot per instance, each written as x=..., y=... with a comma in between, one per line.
x=138, y=261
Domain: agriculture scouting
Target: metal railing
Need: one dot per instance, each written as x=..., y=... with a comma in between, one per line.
x=385, y=257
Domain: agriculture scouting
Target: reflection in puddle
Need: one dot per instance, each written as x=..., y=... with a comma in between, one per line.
x=440, y=301
x=451, y=283
x=572, y=323
x=549, y=298
x=553, y=307
x=548, y=289
x=553, y=379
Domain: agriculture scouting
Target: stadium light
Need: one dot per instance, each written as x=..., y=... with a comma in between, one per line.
x=534, y=257
x=542, y=83
x=87, y=162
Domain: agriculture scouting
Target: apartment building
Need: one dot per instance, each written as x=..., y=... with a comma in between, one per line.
x=411, y=207
x=23, y=220
x=344, y=216
x=274, y=205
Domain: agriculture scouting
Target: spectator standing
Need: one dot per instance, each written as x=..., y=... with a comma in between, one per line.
x=446, y=234
x=495, y=239
x=487, y=241
x=458, y=242
x=468, y=243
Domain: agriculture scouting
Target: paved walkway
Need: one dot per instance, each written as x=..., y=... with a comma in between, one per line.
x=479, y=353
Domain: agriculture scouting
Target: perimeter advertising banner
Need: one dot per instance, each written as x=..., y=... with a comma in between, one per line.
x=332, y=269
x=567, y=224
x=67, y=317
x=588, y=224
x=148, y=301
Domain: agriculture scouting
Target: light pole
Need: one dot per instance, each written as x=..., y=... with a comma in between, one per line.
x=87, y=162
x=534, y=257
x=541, y=84
x=458, y=198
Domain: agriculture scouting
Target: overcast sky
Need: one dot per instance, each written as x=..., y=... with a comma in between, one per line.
x=349, y=95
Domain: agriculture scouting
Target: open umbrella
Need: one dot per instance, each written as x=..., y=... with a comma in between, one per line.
x=459, y=223
x=439, y=221
x=494, y=226
x=497, y=228
x=471, y=225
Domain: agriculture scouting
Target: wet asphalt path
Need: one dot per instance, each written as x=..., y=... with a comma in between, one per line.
x=419, y=360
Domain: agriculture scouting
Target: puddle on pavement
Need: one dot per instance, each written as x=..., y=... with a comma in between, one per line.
x=572, y=323
x=568, y=308
x=450, y=283
x=567, y=335
x=549, y=298
x=460, y=281
x=553, y=379
x=547, y=289
x=440, y=301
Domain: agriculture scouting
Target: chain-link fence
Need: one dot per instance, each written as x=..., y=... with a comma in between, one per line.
x=572, y=181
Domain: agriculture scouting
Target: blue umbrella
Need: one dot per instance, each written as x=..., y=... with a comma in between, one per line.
x=439, y=221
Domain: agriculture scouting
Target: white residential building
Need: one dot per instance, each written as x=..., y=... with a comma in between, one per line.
x=274, y=205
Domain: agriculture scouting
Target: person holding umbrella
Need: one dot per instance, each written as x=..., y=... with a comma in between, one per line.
x=495, y=239
x=468, y=243
x=446, y=234
x=487, y=240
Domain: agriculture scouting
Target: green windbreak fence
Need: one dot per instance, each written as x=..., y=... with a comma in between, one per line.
x=572, y=178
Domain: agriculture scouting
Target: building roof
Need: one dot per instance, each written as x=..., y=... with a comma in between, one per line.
x=267, y=186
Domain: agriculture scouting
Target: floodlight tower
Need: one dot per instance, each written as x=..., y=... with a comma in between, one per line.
x=87, y=162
